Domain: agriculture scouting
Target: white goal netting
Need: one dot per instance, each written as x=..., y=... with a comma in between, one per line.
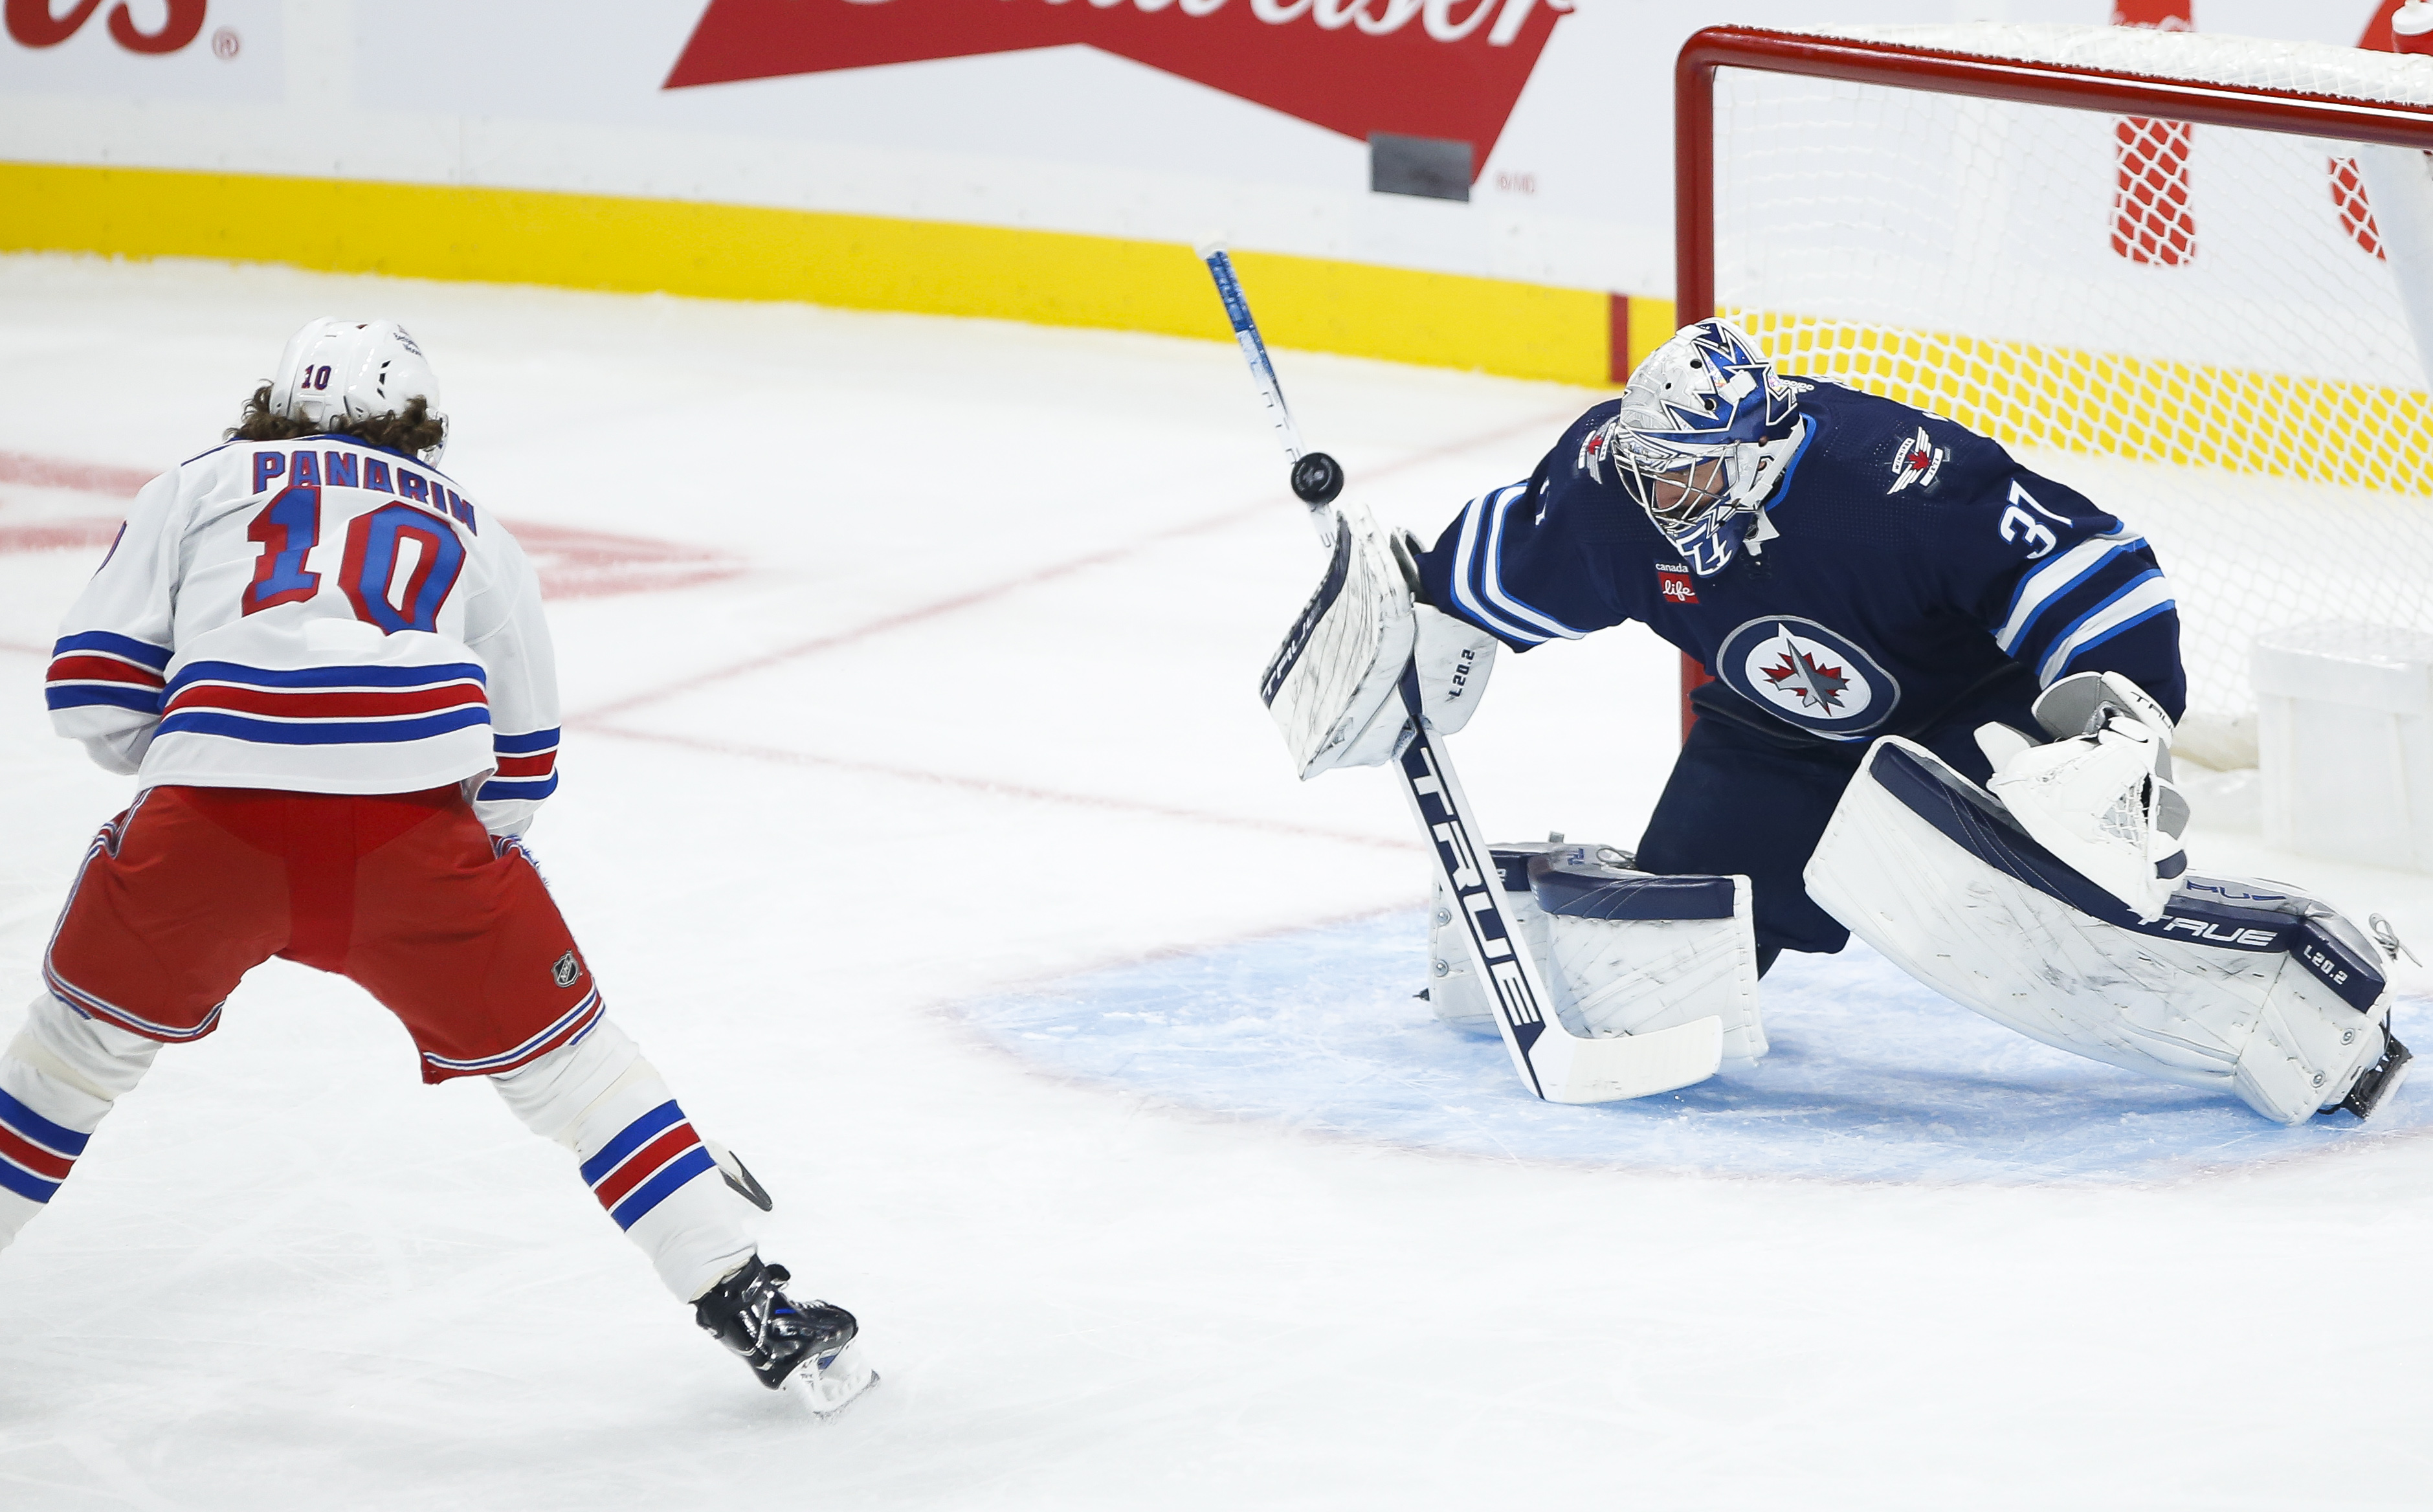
x=2198, y=327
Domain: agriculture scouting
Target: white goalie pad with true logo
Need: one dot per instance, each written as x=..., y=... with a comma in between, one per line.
x=2243, y=986
x=1624, y=951
x=1335, y=674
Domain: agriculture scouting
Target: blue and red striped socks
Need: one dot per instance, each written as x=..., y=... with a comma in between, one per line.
x=640, y=1156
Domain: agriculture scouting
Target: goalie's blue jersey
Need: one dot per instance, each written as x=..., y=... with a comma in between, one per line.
x=1911, y=564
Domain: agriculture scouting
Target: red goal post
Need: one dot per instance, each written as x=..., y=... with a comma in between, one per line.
x=1944, y=71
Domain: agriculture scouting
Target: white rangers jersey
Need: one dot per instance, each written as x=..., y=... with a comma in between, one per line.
x=318, y=616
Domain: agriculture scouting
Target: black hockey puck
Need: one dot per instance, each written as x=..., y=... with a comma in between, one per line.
x=1317, y=478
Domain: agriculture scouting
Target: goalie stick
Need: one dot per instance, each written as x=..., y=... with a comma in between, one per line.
x=1554, y=1063
x=1317, y=478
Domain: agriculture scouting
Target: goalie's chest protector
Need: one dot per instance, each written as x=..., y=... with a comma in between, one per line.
x=1867, y=609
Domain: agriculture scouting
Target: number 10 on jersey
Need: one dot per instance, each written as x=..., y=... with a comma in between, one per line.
x=400, y=564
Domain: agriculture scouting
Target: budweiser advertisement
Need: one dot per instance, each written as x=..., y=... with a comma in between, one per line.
x=166, y=49
x=1445, y=69
x=1528, y=140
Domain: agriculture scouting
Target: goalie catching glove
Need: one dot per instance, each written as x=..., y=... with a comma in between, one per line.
x=2100, y=795
x=1332, y=685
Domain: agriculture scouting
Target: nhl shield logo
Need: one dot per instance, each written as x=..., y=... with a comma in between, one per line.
x=567, y=970
x=1808, y=675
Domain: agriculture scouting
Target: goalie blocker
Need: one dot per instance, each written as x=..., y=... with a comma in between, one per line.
x=2243, y=986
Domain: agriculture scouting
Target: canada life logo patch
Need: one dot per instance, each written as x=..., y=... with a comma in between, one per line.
x=1672, y=580
x=1808, y=675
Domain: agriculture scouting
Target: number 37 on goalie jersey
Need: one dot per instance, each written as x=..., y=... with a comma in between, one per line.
x=399, y=565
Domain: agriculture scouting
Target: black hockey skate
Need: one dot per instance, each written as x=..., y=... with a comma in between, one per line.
x=807, y=1345
x=2376, y=1084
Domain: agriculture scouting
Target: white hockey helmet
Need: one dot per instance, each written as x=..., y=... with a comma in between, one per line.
x=1705, y=431
x=335, y=371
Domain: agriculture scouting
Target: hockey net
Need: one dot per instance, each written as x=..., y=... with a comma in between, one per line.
x=2197, y=326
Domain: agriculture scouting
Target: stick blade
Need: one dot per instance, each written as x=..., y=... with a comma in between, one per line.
x=1626, y=1066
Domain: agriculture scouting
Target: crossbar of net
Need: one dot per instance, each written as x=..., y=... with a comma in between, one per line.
x=2196, y=326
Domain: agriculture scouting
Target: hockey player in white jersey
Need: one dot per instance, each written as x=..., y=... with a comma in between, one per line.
x=328, y=670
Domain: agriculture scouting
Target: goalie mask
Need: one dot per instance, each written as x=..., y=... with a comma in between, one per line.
x=335, y=371
x=1705, y=431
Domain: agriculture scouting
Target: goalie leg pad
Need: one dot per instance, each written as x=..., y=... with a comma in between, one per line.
x=1622, y=952
x=1633, y=953
x=2240, y=986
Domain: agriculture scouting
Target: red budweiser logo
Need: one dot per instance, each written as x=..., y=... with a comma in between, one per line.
x=34, y=24
x=1450, y=69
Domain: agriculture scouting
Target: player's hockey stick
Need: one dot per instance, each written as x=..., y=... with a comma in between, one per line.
x=1555, y=1063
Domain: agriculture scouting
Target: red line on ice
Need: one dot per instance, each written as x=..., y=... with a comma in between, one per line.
x=1003, y=789
x=59, y=472
x=990, y=592
x=58, y=535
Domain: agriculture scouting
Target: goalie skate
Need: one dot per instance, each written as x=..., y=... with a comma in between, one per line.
x=2376, y=1084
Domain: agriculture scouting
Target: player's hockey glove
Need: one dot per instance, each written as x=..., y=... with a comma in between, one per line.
x=2100, y=795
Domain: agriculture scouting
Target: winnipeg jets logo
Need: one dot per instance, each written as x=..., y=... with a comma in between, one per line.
x=1798, y=676
x=1806, y=674
x=1918, y=461
x=1592, y=450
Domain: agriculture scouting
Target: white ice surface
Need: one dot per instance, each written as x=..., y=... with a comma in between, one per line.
x=977, y=714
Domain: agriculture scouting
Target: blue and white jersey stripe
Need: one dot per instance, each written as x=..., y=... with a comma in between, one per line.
x=2100, y=588
x=2037, y=592
x=2141, y=599
x=1478, y=575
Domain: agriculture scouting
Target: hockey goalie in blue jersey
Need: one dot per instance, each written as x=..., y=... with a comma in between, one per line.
x=1943, y=702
